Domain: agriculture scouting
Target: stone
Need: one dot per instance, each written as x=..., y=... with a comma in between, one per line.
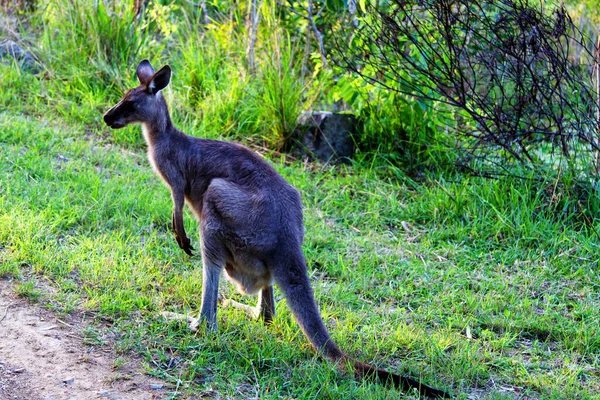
x=327, y=136
x=11, y=51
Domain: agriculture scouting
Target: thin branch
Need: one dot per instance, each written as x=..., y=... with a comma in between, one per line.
x=310, y=17
x=253, y=20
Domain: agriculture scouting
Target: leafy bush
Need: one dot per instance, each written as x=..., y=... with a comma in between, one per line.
x=403, y=129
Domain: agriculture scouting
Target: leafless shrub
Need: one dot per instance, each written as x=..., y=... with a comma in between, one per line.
x=506, y=69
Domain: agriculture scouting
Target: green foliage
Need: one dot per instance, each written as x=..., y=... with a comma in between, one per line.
x=279, y=90
x=406, y=130
x=589, y=7
x=89, y=48
x=92, y=38
x=261, y=105
x=208, y=78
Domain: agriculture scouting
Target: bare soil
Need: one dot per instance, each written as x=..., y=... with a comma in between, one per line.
x=43, y=357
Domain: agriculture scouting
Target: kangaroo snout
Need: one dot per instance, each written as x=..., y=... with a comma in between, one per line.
x=111, y=121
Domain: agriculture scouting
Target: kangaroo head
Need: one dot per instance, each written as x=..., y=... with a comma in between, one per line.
x=142, y=103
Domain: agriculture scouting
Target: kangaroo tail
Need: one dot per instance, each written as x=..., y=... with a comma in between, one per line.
x=293, y=281
x=398, y=381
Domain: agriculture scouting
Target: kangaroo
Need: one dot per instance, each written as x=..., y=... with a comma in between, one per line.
x=251, y=223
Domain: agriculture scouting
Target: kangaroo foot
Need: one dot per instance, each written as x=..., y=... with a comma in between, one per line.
x=191, y=321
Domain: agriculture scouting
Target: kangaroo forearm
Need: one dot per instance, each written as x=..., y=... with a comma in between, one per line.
x=178, y=227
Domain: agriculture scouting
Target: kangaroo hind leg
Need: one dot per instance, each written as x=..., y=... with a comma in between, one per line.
x=264, y=309
x=211, y=273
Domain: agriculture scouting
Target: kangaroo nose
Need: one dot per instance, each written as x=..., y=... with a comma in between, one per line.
x=109, y=118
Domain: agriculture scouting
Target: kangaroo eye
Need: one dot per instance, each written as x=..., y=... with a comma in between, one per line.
x=127, y=106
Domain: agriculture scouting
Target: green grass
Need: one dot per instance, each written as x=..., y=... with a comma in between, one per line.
x=28, y=291
x=487, y=291
x=486, y=288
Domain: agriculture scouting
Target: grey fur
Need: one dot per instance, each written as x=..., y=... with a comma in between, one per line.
x=251, y=222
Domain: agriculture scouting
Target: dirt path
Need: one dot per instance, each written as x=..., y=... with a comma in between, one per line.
x=42, y=357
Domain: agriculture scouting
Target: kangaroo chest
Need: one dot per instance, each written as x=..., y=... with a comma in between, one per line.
x=160, y=162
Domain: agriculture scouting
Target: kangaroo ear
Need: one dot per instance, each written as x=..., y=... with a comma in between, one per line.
x=160, y=80
x=144, y=71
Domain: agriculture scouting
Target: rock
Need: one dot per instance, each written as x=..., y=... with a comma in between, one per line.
x=156, y=386
x=111, y=395
x=68, y=381
x=326, y=135
x=10, y=52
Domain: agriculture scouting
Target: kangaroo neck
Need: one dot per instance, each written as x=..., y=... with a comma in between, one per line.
x=159, y=125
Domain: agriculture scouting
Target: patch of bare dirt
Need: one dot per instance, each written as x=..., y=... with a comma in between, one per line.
x=43, y=357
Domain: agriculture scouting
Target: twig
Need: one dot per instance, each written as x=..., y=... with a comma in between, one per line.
x=64, y=323
x=316, y=31
x=253, y=20
x=5, y=312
